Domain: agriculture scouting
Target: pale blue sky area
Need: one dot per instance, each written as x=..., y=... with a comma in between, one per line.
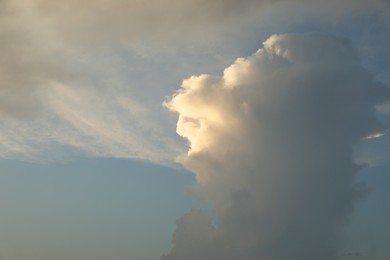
x=90, y=209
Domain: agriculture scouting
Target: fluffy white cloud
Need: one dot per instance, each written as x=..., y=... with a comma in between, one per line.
x=271, y=143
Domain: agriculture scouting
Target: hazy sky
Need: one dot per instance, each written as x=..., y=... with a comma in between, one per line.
x=193, y=129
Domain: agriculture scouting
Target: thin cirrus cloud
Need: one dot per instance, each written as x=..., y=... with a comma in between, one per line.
x=272, y=149
x=84, y=121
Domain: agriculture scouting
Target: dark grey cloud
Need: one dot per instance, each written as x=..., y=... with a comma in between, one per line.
x=271, y=145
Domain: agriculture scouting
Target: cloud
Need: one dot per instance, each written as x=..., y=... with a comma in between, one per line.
x=25, y=62
x=374, y=135
x=73, y=44
x=170, y=22
x=84, y=121
x=58, y=99
x=271, y=143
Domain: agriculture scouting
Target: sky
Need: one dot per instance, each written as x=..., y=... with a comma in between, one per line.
x=192, y=129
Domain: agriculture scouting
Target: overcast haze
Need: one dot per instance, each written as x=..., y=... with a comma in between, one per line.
x=194, y=129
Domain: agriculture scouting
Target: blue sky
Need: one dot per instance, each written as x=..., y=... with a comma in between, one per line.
x=90, y=209
x=109, y=136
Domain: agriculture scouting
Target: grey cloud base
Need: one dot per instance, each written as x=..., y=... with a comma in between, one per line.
x=271, y=145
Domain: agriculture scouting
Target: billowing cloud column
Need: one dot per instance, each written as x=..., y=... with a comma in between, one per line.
x=271, y=144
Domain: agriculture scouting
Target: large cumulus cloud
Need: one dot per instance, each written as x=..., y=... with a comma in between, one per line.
x=271, y=143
